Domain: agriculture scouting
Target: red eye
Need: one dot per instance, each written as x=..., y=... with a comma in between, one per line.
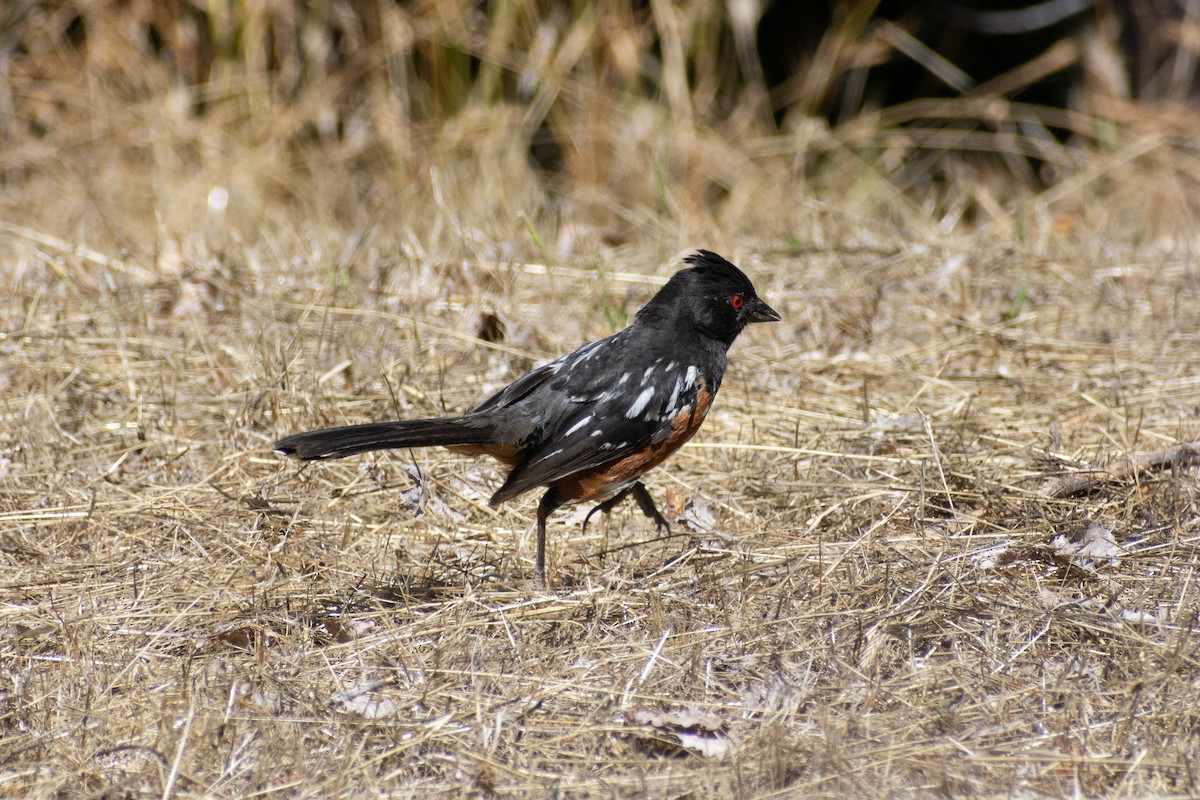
x=737, y=301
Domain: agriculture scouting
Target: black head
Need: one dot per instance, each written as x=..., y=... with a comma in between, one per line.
x=713, y=297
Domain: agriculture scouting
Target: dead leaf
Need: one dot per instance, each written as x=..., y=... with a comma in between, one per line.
x=1093, y=543
x=237, y=633
x=697, y=516
x=416, y=497
x=491, y=328
x=676, y=503
x=361, y=700
x=1135, y=617
x=370, y=707
x=347, y=629
x=694, y=730
x=691, y=511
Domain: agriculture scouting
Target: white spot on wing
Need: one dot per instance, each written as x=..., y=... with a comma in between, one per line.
x=673, y=403
x=624, y=378
x=579, y=425
x=689, y=380
x=639, y=405
x=646, y=375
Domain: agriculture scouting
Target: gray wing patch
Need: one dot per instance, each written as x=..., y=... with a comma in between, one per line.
x=519, y=389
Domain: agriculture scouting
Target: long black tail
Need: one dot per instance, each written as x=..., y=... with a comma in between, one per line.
x=351, y=439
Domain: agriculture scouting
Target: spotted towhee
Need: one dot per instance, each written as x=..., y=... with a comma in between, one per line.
x=588, y=425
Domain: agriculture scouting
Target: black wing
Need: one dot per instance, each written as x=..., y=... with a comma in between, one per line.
x=519, y=389
x=577, y=374
x=629, y=410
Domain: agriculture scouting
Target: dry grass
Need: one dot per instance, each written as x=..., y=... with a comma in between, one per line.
x=882, y=604
x=879, y=607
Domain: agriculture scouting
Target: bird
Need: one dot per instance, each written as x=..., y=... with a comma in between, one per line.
x=587, y=426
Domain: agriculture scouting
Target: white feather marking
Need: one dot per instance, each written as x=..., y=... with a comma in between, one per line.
x=689, y=380
x=646, y=375
x=586, y=352
x=674, y=401
x=551, y=455
x=579, y=424
x=639, y=405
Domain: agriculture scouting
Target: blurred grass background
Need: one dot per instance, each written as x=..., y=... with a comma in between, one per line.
x=593, y=123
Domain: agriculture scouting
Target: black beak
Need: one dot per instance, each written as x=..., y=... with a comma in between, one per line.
x=763, y=312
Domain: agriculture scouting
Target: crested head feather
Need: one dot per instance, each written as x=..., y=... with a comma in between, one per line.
x=706, y=261
x=698, y=298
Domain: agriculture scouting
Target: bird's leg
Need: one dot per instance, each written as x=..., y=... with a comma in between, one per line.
x=607, y=506
x=646, y=504
x=550, y=502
